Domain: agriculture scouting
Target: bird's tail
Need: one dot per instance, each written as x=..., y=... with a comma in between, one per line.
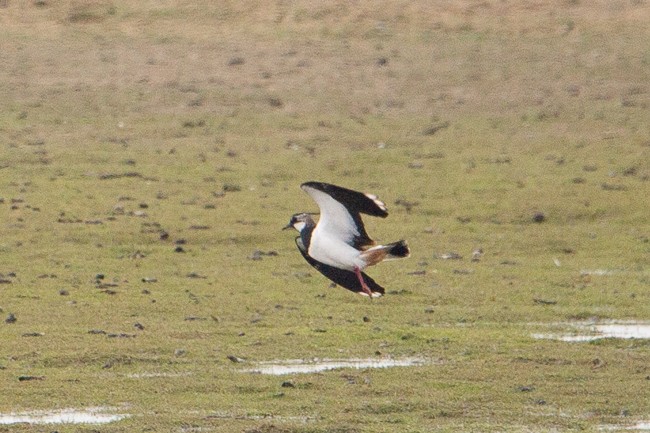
x=397, y=250
x=379, y=253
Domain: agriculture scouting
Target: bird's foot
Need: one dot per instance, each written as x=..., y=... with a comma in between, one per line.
x=364, y=286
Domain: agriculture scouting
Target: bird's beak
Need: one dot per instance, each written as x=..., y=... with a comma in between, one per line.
x=288, y=226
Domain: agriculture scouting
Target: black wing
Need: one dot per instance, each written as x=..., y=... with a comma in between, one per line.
x=355, y=202
x=341, y=210
x=345, y=279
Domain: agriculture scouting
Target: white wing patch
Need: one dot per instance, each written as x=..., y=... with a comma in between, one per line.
x=332, y=239
x=335, y=220
x=380, y=204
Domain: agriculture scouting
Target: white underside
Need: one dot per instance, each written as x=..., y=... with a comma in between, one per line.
x=333, y=251
x=335, y=231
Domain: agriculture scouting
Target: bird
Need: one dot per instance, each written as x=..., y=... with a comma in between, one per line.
x=337, y=245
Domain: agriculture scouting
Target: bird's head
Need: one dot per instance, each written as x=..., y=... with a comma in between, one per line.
x=299, y=221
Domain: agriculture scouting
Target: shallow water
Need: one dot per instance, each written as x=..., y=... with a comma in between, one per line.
x=149, y=375
x=298, y=366
x=90, y=415
x=639, y=426
x=597, y=272
x=581, y=332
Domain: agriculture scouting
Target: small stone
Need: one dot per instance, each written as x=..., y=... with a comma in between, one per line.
x=26, y=378
x=33, y=334
x=11, y=318
x=433, y=129
x=235, y=359
x=231, y=187
x=539, y=217
x=539, y=301
x=236, y=61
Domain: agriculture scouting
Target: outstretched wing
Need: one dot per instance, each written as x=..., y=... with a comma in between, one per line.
x=345, y=279
x=340, y=210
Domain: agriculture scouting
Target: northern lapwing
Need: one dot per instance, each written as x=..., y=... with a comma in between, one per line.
x=338, y=245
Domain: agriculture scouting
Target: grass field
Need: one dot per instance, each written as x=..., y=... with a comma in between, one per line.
x=150, y=153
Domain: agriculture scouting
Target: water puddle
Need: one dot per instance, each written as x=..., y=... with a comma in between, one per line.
x=89, y=415
x=298, y=366
x=149, y=375
x=582, y=332
x=639, y=426
x=597, y=272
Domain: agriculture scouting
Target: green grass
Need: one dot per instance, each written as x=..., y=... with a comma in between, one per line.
x=122, y=120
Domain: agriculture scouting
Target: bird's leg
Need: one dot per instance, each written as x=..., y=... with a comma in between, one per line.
x=364, y=286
